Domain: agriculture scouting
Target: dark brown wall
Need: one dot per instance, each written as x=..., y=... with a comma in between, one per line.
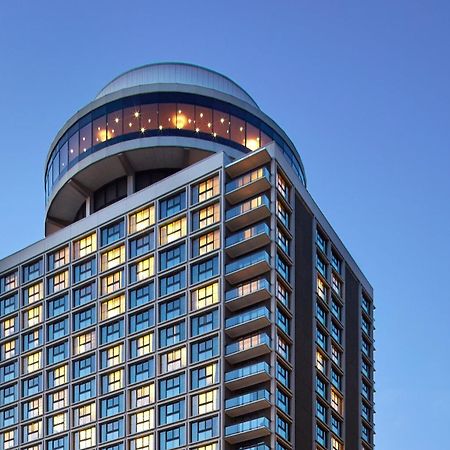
x=352, y=361
x=304, y=314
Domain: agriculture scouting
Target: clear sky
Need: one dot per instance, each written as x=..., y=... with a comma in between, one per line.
x=363, y=90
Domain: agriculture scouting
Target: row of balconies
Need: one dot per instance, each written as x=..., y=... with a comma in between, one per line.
x=248, y=261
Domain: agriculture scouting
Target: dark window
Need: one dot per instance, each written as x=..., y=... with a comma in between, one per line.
x=110, y=193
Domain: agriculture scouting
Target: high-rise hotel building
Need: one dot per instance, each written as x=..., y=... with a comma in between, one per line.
x=189, y=293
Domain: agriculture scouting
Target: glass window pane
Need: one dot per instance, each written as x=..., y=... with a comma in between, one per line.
x=99, y=129
x=85, y=138
x=167, y=115
x=149, y=117
x=185, y=117
x=74, y=147
x=203, y=120
x=115, y=124
x=237, y=130
x=253, y=139
x=131, y=119
x=221, y=124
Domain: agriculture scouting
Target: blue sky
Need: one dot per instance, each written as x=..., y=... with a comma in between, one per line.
x=362, y=88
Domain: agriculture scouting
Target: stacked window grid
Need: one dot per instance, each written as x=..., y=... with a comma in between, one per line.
x=84, y=331
x=367, y=371
x=329, y=352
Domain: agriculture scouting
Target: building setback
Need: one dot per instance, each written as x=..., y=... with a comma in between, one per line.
x=189, y=293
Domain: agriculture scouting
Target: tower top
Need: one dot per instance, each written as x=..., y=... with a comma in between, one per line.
x=177, y=73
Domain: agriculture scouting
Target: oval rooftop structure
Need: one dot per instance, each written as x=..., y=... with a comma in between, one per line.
x=177, y=73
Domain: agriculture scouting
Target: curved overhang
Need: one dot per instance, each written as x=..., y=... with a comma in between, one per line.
x=118, y=160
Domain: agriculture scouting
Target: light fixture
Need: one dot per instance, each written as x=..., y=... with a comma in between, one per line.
x=201, y=115
x=222, y=120
x=130, y=124
x=209, y=124
x=197, y=130
x=116, y=120
x=180, y=120
x=142, y=130
x=136, y=114
x=160, y=127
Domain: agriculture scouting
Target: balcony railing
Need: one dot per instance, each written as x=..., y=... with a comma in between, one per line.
x=248, y=185
x=245, y=431
x=247, y=376
x=247, y=267
x=247, y=240
x=248, y=348
x=247, y=322
x=248, y=403
x=256, y=447
x=248, y=212
x=247, y=294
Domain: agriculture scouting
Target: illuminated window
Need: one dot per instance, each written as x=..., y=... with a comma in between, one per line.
x=282, y=186
x=336, y=355
x=142, y=396
x=58, y=258
x=112, y=283
x=57, y=424
x=33, y=316
x=205, y=296
x=86, y=438
x=213, y=446
x=33, y=431
x=205, y=402
x=206, y=243
x=173, y=360
x=60, y=375
x=321, y=289
x=336, y=402
x=143, y=421
x=9, y=439
x=115, y=381
x=113, y=258
x=320, y=362
x=58, y=400
x=84, y=342
x=112, y=356
x=58, y=282
x=85, y=246
x=143, y=345
x=143, y=443
x=113, y=307
x=206, y=217
x=9, y=349
x=34, y=293
x=172, y=231
x=84, y=414
x=142, y=270
x=142, y=219
x=8, y=327
x=32, y=362
x=205, y=190
x=335, y=444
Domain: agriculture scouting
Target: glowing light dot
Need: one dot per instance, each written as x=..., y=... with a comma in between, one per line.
x=71, y=150
x=130, y=124
x=222, y=120
x=160, y=127
x=98, y=128
x=116, y=120
x=84, y=138
x=84, y=149
x=201, y=115
x=241, y=129
x=197, y=130
x=136, y=114
x=214, y=134
x=209, y=124
x=142, y=129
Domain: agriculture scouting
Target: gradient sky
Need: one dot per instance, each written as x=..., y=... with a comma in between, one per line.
x=363, y=90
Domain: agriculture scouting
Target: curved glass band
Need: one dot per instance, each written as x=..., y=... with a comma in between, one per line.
x=142, y=116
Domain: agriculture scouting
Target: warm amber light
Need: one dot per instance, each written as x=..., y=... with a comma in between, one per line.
x=101, y=135
x=252, y=144
x=136, y=114
x=180, y=120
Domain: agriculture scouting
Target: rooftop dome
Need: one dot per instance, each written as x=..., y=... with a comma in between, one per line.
x=178, y=73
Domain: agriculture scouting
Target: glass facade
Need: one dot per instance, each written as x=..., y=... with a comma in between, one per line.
x=148, y=115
